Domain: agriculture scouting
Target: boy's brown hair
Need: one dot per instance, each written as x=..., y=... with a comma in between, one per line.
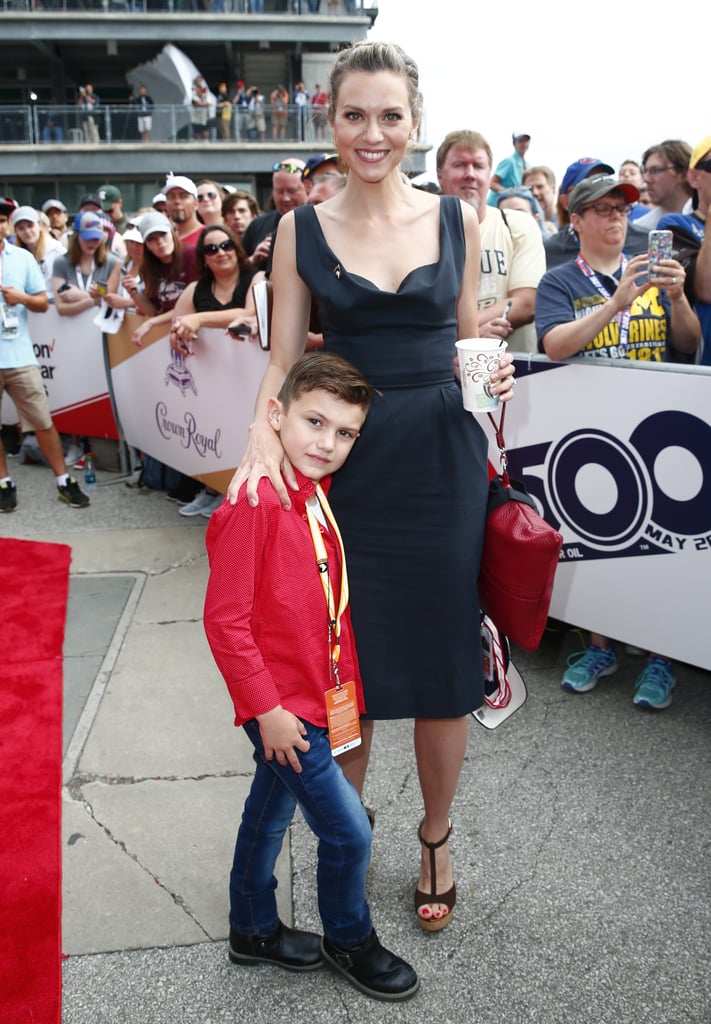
x=325, y=371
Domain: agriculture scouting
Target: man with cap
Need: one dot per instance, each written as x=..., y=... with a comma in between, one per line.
x=319, y=167
x=691, y=240
x=509, y=172
x=57, y=215
x=112, y=203
x=288, y=192
x=181, y=206
x=22, y=288
x=602, y=305
x=564, y=245
x=92, y=202
x=512, y=260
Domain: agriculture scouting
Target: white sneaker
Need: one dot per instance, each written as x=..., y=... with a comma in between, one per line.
x=74, y=453
x=217, y=500
x=200, y=501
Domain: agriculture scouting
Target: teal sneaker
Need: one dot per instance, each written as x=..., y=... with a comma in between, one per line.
x=586, y=667
x=654, y=686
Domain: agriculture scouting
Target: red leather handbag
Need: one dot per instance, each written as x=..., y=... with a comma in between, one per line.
x=519, y=559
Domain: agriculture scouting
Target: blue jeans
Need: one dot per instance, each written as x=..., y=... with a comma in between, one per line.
x=333, y=811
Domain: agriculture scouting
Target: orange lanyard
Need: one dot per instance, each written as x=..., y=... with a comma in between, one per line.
x=334, y=615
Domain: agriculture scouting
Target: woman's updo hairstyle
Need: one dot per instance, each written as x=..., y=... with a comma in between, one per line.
x=367, y=56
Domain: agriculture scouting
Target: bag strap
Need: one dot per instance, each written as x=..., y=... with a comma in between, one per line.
x=501, y=444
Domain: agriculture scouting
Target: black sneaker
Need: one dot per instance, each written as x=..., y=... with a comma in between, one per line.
x=72, y=493
x=8, y=497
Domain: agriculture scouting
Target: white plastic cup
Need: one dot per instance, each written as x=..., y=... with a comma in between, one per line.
x=478, y=359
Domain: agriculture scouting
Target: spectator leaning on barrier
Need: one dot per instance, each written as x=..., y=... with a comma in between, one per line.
x=564, y=245
x=83, y=275
x=30, y=235
x=23, y=289
x=602, y=305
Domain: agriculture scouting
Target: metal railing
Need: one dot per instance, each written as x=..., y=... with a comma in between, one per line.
x=320, y=7
x=37, y=124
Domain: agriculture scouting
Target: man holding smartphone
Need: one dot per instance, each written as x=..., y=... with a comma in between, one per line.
x=23, y=288
x=602, y=305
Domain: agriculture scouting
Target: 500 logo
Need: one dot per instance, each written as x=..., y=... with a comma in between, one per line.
x=609, y=498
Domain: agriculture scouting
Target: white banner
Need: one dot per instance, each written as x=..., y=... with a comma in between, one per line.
x=70, y=353
x=619, y=458
x=192, y=414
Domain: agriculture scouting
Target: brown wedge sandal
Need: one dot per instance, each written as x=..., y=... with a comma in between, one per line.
x=448, y=899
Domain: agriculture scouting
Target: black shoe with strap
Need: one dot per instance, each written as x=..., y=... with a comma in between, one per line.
x=372, y=969
x=285, y=947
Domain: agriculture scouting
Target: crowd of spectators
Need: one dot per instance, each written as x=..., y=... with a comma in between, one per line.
x=561, y=270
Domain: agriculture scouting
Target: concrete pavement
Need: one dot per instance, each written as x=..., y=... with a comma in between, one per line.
x=581, y=836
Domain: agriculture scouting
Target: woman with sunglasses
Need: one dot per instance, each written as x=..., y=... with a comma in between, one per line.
x=222, y=293
x=209, y=202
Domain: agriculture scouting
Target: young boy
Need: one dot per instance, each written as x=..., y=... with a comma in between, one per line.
x=278, y=624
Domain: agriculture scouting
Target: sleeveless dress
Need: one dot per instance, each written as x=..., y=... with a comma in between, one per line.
x=411, y=498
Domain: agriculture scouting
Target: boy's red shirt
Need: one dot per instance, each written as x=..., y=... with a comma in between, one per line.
x=265, y=612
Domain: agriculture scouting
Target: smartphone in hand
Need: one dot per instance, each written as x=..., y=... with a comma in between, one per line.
x=659, y=247
x=240, y=330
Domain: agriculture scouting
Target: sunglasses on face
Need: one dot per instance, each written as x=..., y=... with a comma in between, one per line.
x=203, y=197
x=212, y=248
x=288, y=165
x=704, y=165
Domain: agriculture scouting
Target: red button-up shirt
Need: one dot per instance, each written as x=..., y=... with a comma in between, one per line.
x=265, y=611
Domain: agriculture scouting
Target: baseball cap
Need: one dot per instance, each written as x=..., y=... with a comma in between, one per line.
x=90, y=198
x=153, y=222
x=132, y=234
x=699, y=151
x=159, y=197
x=7, y=206
x=315, y=162
x=520, y=135
x=591, y=189
x=25, y=213
x=581, y=169
x=109, y=195
x=53, y=204
x=180, y=181
x=88, y=225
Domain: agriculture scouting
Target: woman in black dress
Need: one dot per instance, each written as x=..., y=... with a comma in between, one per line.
x=394, y=274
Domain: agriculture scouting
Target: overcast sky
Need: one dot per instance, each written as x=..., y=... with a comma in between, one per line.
x=580, y=83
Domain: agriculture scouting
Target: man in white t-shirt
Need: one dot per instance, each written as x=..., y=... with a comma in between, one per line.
x=512, y=255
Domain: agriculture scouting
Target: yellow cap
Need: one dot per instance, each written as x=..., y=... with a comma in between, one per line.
x=700, y=150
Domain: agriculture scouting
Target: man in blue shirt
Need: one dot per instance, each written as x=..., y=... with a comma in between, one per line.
x=509, y=173
x=22, y=288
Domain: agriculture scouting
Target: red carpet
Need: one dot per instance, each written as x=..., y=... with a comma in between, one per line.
x=34, y=580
